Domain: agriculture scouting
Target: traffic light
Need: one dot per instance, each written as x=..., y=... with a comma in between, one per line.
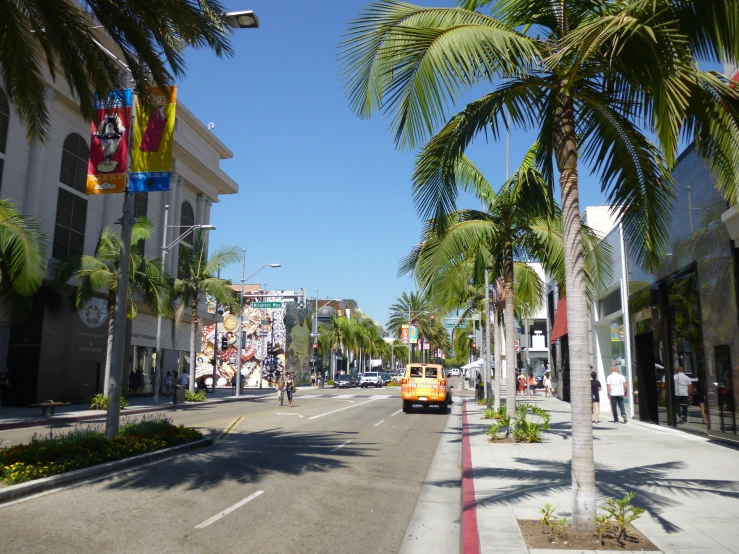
x=224, y=343
x=315, y=347
x=474, y=346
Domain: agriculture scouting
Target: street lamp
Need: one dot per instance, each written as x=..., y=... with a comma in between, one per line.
x=242, y=20
x=239, y=343
x=166, y=248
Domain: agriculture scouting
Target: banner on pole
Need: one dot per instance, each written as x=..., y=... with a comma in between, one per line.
x=153, y=142
x=108, y=161
x=414, y=334
x=405, y=333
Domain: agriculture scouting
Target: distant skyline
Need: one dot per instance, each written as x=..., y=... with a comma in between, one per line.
x=322, y=192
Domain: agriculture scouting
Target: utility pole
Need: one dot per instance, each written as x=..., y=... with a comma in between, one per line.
x=488, y=384
x=160, y=358
x=215, y=342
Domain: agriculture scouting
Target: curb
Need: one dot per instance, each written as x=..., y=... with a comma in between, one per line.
x=15, y=492
x=125, y=412
x=470, y=532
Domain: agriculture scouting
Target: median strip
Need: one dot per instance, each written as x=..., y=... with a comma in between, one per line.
x=228, y=510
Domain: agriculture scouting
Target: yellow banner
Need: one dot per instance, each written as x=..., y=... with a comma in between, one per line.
x=153, y=142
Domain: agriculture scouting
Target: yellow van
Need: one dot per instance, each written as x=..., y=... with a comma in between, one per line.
x=425, y=384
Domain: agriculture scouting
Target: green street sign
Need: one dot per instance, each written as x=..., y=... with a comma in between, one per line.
x=449, y=324
x=267, y=305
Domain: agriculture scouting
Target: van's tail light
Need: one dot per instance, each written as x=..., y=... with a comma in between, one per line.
x=404, y=381
x=442, y=382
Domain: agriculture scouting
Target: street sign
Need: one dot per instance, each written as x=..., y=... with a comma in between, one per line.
x=516, y=345
x=266, y=305
x=315, y=335
x=449, y=324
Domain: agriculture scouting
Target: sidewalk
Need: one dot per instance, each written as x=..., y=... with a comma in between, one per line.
x=17, y=418
x=688, y=485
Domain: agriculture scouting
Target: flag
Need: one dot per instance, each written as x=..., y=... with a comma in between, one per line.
x=108, y=161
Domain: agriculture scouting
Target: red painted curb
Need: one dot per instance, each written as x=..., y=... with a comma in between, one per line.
x=470, y=534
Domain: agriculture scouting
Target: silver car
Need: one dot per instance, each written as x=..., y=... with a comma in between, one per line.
x=370, y=379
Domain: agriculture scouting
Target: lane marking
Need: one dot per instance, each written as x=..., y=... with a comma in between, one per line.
x=396, y=413
x=340, y=446
x=341, y=409
x=379, y=423
x=230, y=428
x=228, y=510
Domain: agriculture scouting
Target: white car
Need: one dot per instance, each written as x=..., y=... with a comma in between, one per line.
x=454, y=372
x=370, y=379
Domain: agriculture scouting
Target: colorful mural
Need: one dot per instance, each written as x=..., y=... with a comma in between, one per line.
x=287, y=328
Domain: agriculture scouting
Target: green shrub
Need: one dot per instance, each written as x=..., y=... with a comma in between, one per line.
x=330, y=383
x=623, y=513
x=491, y=413
x=197, y=396
x=100, y=402
x=547, y=513
x=482, y=402
x=393, y=384
x=83, y=447
x=502, y=424
x=520, y=427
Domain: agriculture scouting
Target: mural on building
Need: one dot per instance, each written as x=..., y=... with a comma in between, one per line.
x=287, y=328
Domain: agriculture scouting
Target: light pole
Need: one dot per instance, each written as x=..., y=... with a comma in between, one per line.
x=410, y=324
x=166, y=248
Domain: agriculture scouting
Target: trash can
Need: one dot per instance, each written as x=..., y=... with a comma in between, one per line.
x=179, y=394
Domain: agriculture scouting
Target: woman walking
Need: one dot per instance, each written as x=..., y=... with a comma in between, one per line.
x=313, y=379
x=168, y=384
x=547, y=385
x=595, y=389
x=521, y=384
x=532, y=385
x=290, y=387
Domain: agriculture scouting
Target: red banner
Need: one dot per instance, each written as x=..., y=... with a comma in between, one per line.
x=108, y=162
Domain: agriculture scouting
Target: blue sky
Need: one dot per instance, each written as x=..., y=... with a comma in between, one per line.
x=322, y=192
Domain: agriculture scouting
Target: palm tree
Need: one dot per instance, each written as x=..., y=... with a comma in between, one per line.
x=199, y=278
x=64, y=38
x=23, y=255
x=99, y=273
x=604, y=73
x=413, y=308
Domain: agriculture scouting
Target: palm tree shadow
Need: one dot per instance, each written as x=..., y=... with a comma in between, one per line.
x=654, y=485
x=248, y=457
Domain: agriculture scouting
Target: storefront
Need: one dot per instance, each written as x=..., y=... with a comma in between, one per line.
x=684, y=316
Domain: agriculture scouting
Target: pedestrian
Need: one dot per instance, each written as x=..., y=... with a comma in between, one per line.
x=313, y=379
x=280, y=389
x=140, y=381
x=185, y=379
x=683, y=393
x=532, y=384
x=168, y=384
x=699, y=395
x=616, y=385
x=521, y=384
x=132, y=382
x=233, y=384
x=319, y=379
x=479, y=387
x=595, y=389
x=547, y=382
x=290, y=388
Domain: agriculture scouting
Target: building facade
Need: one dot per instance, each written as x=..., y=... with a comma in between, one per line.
x=57, y=352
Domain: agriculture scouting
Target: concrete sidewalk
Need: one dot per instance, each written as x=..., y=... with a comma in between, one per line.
x=688, y=485
x=15, y=418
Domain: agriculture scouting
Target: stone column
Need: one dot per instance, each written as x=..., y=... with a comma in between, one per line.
x=200, y=209
x=35, y=171
x=147, y=368
x=176, y=212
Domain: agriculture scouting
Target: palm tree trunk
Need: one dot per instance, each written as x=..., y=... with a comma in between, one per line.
x=510, y=352
x=496, y=346
x=109, y=351
x=583, y=465
x=193, y=335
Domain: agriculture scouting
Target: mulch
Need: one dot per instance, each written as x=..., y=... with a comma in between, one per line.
x=538, y=535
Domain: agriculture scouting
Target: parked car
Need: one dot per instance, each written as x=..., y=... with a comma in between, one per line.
x=454, y=372
x=345, y=381
x=385, y=378
x=370, y=379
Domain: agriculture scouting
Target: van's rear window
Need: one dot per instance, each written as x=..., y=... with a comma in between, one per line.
x=432, y=372
x=416, y=371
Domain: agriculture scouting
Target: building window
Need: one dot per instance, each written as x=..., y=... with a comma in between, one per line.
x=4, y=123
x=71, y=207
x=141, y=209
x=187, y=220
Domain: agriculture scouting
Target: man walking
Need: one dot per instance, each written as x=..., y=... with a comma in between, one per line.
x=616, y=384
x=683, y=393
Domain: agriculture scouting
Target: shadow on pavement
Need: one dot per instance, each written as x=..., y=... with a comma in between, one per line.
x=248, y=457
x=653, y=484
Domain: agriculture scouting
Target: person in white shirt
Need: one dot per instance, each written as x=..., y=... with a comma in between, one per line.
x=616, y=384
x=683, y=393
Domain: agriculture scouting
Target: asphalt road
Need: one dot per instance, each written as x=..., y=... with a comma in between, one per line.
x=333, y=474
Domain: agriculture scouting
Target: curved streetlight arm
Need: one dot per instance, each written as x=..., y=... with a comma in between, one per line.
x=189, y=230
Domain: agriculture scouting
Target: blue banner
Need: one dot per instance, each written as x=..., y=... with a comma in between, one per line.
x=149, y=181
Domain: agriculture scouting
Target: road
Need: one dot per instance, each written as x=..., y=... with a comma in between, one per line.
x=339, y=472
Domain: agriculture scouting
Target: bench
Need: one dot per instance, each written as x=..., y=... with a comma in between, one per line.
x=49, y=405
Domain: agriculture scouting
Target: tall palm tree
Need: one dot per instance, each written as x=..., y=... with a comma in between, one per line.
x=23, y=255
x=593, y=77
x=64, y=37
x=413, y=308
x=99, y=273
x=199, y=278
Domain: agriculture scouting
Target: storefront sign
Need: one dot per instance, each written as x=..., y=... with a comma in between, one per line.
x=95, y=313
x=108, y=161
x=153, y=142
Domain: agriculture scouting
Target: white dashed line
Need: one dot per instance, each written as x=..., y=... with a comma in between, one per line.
x=379, y=423
x=340, y=446
x=227, y=511
x=396, y=413
x=341, y=409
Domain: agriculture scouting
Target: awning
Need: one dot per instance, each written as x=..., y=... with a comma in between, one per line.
x=559, y=328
